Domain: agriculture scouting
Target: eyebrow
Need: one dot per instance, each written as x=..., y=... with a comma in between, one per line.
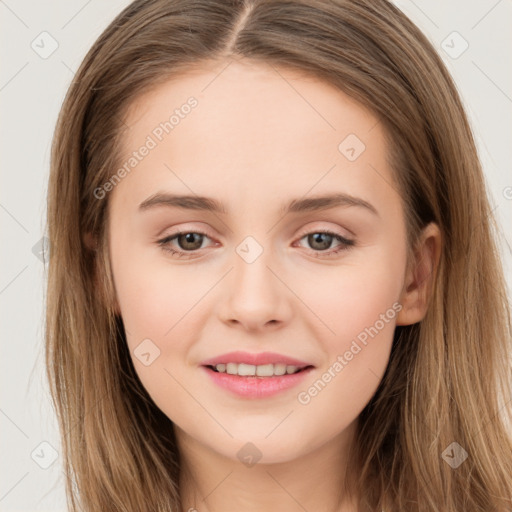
x=310, y=204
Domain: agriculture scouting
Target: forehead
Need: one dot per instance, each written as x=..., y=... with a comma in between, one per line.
x=259, y=98
x=253, y=124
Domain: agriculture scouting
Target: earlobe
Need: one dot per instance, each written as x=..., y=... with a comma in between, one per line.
x=420, y=277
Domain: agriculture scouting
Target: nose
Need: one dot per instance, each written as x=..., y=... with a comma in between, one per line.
x=256, y=297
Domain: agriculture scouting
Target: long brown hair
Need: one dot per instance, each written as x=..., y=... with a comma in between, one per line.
x=448, y=378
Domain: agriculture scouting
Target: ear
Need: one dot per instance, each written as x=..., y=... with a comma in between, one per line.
x=420, y=276
x=109, y=299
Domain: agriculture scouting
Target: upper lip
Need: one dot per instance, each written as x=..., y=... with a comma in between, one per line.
x=255, y=359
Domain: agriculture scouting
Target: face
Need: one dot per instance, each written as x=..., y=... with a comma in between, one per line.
x=273, y=269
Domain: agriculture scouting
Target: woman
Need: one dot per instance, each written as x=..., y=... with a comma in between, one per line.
x=371, y=372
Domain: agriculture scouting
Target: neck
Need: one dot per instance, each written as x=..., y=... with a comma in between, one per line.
x=212, y=482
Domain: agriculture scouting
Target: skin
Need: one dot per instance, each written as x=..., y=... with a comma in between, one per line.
x=260, y=137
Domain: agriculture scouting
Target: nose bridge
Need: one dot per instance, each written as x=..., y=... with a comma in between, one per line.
x=256, y=296
x=253, y=280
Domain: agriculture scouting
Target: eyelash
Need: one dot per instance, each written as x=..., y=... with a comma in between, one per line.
x=346, y=244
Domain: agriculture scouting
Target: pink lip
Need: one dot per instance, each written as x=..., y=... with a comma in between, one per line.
x=256, y=387
x=255, y=359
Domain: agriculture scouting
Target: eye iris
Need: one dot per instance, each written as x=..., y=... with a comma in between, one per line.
x=317, y=237
x=190, y=238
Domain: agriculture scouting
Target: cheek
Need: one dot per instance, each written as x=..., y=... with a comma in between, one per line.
x=160, y=301
x=353, y=296
x=360, y=307
x=152, y=298
x=155, y=304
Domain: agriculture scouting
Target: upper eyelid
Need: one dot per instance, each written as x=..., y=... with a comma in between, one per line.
x=303, y=232
x=325, y=230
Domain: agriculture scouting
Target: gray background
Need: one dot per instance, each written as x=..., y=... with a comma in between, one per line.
x=32, y=87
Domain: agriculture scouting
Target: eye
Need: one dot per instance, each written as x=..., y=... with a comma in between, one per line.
x=187, y=241
x=322, y=240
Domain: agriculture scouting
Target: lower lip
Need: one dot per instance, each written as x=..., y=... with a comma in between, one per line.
x=257, y=387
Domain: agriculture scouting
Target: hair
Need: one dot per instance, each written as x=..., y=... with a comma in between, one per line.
x=448, y=377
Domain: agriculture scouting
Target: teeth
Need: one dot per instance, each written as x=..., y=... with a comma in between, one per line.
x=264, y=370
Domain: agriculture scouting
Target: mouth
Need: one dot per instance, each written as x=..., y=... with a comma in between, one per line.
x=249, y=381
x=262, y=371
